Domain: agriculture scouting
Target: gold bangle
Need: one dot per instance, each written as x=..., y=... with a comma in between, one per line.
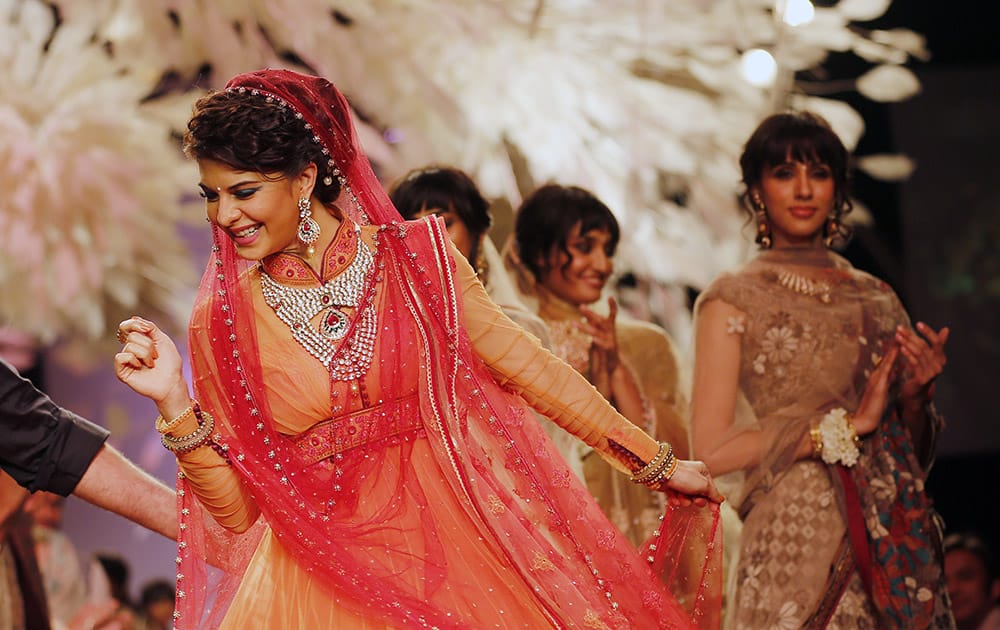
x=816, y=437
x=194, y=440
x=163, y=426
x=657, y=469
x=653, y=465
x=662, y=475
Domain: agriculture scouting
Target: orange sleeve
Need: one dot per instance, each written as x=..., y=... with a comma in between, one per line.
x=214, y=481
x=549, y=384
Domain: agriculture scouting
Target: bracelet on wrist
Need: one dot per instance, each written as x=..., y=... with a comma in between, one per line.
x=194, y=440
x=836, y=438
x=163, y=426
x=658, y=462
x=816, y=438
x=659, y=469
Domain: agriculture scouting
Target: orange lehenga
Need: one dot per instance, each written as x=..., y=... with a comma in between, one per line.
x=374, y=461
x=394, y=492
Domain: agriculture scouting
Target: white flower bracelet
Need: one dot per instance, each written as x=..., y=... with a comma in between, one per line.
x=834, y=438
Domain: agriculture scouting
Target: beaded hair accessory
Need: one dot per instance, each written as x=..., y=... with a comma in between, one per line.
x=333, y=170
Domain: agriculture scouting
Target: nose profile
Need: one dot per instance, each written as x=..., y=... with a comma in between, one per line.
x=803, y=184
x=229, y=211
x=601, y=261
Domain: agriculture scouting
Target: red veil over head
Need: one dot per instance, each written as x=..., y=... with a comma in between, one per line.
x=497, y=461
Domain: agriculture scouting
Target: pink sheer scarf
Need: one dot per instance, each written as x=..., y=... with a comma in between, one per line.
x=496, y=459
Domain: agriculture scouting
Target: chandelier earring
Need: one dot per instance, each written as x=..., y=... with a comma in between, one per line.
x=832, y=230
x=760, y=215
x=308, y=228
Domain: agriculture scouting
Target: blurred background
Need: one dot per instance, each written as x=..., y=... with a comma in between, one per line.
x=644, y=102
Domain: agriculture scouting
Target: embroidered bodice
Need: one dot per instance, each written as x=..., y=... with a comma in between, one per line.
x=568, y=342
x=811, y=329
x=301, y=389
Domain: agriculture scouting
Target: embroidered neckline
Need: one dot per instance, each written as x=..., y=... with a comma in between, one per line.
x=296, y=306
x=291, y=269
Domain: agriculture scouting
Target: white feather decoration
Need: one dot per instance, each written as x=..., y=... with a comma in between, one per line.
x=887, y=167
x=87, y=221
x=863, y=10
x=889, y=83
x=613, y=96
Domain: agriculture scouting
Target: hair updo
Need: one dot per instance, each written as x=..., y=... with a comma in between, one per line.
x=248, y=133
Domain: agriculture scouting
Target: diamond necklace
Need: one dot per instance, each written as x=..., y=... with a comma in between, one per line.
x=805, y=286
x=297, y=307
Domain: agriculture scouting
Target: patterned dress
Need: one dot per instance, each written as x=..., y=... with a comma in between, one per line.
x=407, y=517
x=811, y=330
x=647, y=351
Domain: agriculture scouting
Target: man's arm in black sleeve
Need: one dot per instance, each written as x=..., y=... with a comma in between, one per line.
x=42, y=445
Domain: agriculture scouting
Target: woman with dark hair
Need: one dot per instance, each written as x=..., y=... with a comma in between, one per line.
x=814, y=394
x=451, y=194
x=359, y=422
x=564, y=242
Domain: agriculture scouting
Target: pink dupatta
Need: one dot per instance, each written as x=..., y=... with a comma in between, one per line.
x=502, y=468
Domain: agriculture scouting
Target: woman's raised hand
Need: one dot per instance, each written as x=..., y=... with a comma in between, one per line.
x=693, y=479
x=876, y=395
x=149, y=362
x=604, y=347
x=925, y=359
x=602, y=330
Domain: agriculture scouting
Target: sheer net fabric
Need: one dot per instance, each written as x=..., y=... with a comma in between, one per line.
x=467, y=517
x=811, y=330
x=649, y=354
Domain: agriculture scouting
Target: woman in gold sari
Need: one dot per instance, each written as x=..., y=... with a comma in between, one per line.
x=814, y=393
x=564, y=242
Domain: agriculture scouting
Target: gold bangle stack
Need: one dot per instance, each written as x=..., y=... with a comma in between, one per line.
x=194, y=440
x=817, y=440
x=659, y=469
x=163, y=426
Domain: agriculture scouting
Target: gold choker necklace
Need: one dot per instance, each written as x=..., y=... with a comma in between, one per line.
x=805, y=286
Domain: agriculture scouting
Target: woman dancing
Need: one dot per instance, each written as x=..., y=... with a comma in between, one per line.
x=358, y=419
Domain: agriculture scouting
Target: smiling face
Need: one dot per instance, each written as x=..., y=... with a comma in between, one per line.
x=799, y=198
x=579, y=276
x=259, y=213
